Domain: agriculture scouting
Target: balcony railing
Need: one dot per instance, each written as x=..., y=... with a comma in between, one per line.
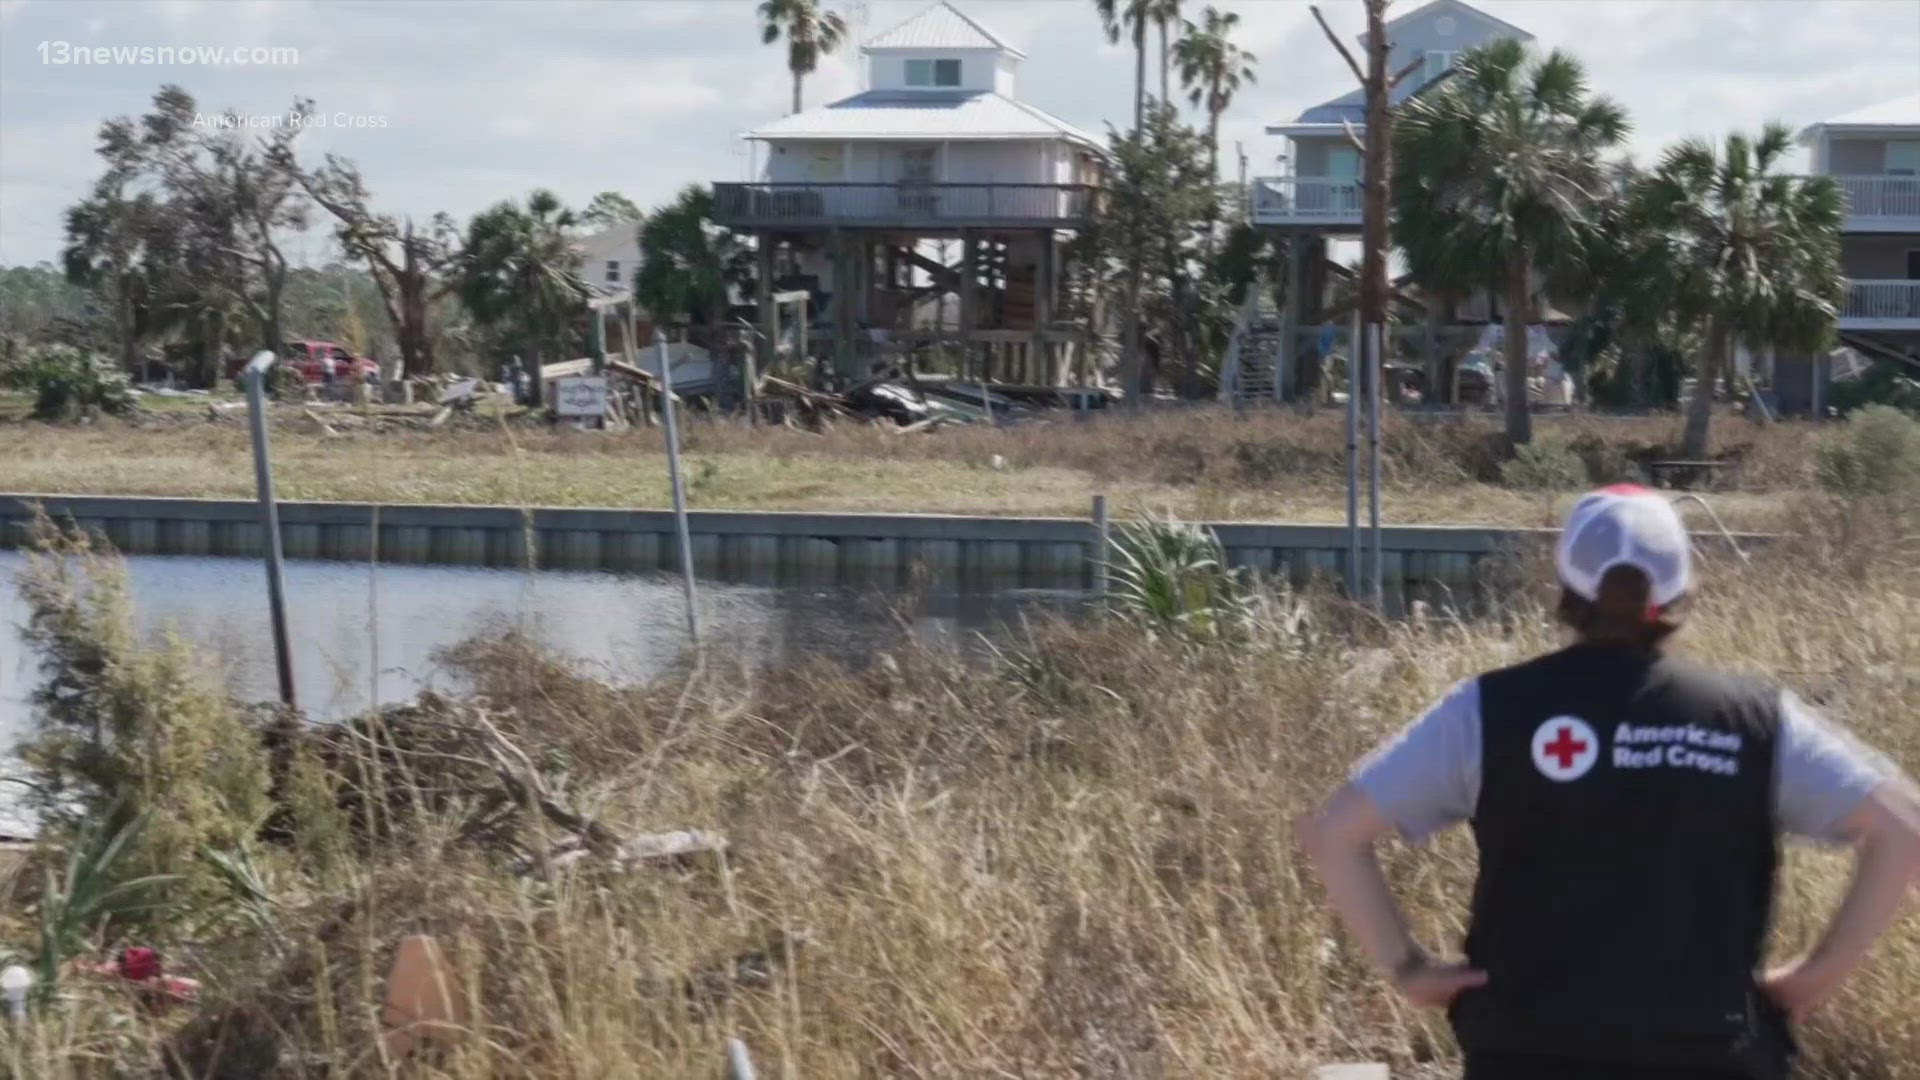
x=1881, y=303
x=1305, y=200
x=931, y=205
x=1882, y=201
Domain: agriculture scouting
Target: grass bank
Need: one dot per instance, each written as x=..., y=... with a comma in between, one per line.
x=1203, y=463
x=1071, y=858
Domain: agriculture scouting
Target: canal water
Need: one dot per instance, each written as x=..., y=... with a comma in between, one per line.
x=364, y=634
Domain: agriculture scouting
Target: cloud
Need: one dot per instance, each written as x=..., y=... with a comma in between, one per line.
x=487, y=100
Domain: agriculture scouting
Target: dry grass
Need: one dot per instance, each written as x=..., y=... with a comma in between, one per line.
x=1071, y=860
x=1199, y=463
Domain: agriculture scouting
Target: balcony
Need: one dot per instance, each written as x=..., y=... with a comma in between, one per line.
x=1881, y=305
x=1881, y=203
x=903, y=205
x=1306, y=200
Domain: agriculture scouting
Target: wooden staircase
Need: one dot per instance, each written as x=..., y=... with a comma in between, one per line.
x=1248, y=368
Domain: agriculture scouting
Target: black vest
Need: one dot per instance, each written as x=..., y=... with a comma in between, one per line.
x=1627, y=858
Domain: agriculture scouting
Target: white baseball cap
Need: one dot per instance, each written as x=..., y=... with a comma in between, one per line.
x=1625, y=525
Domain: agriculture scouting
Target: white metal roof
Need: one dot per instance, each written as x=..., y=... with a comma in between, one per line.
x=941, y=26
x=1898, y=112
x=925, y=114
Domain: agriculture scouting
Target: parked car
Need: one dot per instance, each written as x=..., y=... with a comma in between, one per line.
x=311, y=359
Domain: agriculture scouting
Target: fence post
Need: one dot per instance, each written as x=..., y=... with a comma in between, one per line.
x=256, y=375
x=679, y=491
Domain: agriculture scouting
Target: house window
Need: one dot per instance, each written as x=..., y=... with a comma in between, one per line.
x=933, y=73
x=1903, y=158
x=1438, y=61
x=613, y=271
x=1444, y=25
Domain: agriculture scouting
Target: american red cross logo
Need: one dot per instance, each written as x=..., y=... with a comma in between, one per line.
x=1565, y=748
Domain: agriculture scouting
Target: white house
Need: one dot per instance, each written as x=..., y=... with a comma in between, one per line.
x=941, y=137
x=609, y=258
x=863, y=195
x=1321, y=187
x=1874, y=155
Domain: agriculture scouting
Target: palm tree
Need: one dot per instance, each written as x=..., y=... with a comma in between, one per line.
x=1754, y=254
x=688, y=265
x=811, y=33
x=1498, y=184
x=1130, y=17
x=520, y=271
x=1166, y=13
x=1212, y=70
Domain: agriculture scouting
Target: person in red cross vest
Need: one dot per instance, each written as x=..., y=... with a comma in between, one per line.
x=1627, y=806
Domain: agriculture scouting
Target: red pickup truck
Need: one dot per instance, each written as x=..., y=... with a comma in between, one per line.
x=312, y=358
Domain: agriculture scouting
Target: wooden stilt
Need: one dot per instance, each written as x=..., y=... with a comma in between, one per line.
x=768, y=345
x=1043, y=309
x=969, y=254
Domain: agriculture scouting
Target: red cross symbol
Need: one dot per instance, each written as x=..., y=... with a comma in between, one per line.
x=1565, y=747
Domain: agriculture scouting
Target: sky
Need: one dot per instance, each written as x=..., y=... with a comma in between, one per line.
x=455, y=104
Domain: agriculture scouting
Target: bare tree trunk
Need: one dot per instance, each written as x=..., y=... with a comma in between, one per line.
x=1166, y=96
x=1694, y=436
x=123, y=317
x=796, y=92
x=1379, y=170
x=1519, y=307
x=1139, y=76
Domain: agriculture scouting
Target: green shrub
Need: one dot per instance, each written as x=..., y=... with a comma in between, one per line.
x=67, y=383
x=1173, y=576
x=124, y=730
x=1544, y=466
x=1875, y=452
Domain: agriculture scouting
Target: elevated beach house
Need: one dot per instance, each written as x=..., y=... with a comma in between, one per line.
x=927, y=208
x=1874, y=155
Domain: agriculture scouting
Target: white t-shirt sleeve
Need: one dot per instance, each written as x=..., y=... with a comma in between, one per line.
x=1427, y=777
x=1822, y=773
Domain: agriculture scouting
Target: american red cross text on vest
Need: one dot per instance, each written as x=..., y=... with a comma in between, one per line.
x=1565, y=748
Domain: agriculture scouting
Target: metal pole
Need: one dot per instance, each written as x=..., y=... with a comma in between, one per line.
x=1376, y=388
x=679, y=490
x=1353, y=460
x=1102, y=547
x=256, y=374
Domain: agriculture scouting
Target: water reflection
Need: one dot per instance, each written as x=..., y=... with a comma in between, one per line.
x=363, y=634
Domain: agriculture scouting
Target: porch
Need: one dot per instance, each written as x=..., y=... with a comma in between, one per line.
x=1881, y=305
x=922, y=206
x=1318, y=201
x=1881, y=203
